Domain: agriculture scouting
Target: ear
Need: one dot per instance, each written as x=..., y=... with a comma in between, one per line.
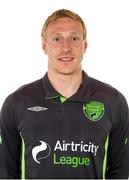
x=85, y=45
x=44, y=46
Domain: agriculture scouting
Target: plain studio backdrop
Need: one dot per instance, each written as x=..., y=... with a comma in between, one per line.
x=23, y=61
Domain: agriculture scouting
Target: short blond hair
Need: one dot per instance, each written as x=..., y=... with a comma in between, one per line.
x=62, y=13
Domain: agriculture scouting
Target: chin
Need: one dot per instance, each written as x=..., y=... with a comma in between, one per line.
x=66, y=73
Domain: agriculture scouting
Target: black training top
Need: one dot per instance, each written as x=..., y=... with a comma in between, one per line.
x=45, y=135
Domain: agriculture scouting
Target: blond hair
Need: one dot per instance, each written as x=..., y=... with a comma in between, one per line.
x=62, y=13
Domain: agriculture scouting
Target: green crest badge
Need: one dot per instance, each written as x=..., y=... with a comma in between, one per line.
x=93, y=110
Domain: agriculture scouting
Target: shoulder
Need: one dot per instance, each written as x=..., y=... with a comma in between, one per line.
x=109, y=95
x=105, y=90
x=31, y=89
x=114, y=101
x=24, y=93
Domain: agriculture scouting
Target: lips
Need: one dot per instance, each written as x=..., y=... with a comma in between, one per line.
x=65, y=59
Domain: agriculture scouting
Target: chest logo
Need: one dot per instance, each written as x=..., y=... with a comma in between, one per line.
x=41, y=151
x=37, y=108
x=93, y=110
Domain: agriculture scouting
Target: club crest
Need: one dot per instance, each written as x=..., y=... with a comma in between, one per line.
x=93, y=110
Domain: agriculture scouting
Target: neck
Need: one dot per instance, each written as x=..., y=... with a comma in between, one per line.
x=66, y=85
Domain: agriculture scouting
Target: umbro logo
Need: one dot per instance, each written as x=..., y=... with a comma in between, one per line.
x=37, y=108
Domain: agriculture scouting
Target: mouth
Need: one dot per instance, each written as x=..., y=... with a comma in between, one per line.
x=66, y=59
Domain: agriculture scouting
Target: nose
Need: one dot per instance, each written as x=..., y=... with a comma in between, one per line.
x=66, y=47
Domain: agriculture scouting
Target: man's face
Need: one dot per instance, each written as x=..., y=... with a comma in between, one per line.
x=64, y=46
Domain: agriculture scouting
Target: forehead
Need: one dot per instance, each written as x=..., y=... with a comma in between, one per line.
x=65, y=25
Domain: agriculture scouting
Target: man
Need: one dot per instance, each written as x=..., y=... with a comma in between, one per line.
x=67, y=124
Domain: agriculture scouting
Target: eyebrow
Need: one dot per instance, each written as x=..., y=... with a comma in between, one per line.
x=58, y=33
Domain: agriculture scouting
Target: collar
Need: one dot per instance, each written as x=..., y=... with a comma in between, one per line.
x=82, y=94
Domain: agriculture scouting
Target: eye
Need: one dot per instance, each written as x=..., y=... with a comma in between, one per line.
x=75, y=38
x=57, y=39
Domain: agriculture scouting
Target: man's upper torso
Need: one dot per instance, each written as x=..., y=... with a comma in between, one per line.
x=54, y=137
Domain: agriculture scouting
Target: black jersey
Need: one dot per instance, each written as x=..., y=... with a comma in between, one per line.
x=45, y=135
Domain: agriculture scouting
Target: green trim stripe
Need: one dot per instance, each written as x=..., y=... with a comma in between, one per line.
x=0, y=139
x=105, y=157
x=62, y=99
x=126, y=140
x=23, y=159
x=53, y=97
